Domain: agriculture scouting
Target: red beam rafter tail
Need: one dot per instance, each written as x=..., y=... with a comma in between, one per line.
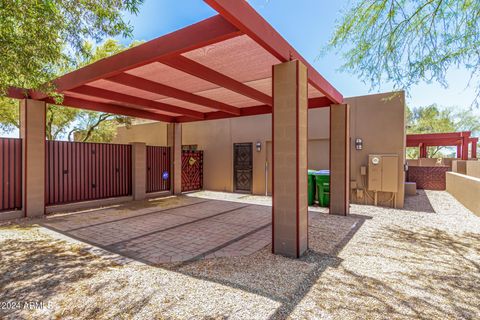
x=200, y=71
x=201, y=34
x=246, y=19
x=158, y=88
x=120, y=97
x=110, y=108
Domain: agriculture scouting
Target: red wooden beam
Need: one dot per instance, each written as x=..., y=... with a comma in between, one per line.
x=158, y=88
x=321, y=102
x=313, y=103
x=120, y=97
x=443, y=135
x=201, y=34
x=246, y=19
x=199, y=70
x=110, y=108
x=17, y=93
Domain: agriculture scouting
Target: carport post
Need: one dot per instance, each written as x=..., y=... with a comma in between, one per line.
x=289, y=136
x=174, y=141
x=465, y=138
x=32, y=132
x=139, y=170
x=339, y=159
x=474, y=148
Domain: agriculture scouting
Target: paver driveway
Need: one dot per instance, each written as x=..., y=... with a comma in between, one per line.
x=171, y=229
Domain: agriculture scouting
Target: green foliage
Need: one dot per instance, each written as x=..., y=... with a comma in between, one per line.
x=72, y=123
x=408, y=41
x=433, y=119
x=39, y=37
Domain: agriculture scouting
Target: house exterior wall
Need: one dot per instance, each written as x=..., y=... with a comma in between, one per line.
x=379, y=120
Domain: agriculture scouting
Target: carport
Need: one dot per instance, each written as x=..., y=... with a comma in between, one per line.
x=231, y=65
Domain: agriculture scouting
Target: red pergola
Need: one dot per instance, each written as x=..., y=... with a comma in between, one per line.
x=230, y=65
x=217, y=68
x=459, y=139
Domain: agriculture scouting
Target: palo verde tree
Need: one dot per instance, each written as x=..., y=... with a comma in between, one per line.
x=71, y=123
x=40, y=38
x=433, y=119
x=409, y=41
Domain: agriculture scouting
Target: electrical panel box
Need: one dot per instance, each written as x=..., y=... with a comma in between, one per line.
x=383, y=172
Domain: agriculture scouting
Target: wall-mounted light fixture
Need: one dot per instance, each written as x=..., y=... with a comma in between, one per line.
x=259, y=146
x=358, y=144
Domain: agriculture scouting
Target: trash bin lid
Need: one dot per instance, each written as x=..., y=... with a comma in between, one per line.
x=322, y=173
x=311, y=171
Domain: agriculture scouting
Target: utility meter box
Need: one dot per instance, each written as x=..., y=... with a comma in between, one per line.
x=383, y=172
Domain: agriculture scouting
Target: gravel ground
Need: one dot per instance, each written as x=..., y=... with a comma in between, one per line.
x=422, y=262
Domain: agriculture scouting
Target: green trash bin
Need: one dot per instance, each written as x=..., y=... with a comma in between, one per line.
x=322, y=179
x=311, y=187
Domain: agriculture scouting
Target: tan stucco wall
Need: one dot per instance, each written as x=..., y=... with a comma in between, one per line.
x=465, y=189
x=154, y=134
x=378, y=119
x=473, y=168
x=459, y=166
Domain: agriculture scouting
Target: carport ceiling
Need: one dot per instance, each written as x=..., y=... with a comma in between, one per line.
x=220, y=67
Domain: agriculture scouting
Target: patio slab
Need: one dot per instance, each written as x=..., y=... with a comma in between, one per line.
x=175, y=229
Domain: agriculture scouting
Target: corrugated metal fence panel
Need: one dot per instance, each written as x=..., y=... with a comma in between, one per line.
x=158, y=162
x=11, y=174
x=77, y=171
x=192, y=170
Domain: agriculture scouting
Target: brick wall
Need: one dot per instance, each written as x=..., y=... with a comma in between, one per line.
x=429, y=178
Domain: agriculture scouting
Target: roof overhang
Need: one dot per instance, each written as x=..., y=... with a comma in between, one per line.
x=218, y=68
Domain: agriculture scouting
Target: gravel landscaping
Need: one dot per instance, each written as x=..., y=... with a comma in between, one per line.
x=422, y=262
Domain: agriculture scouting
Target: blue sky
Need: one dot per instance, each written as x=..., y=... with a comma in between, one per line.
x=307, y=25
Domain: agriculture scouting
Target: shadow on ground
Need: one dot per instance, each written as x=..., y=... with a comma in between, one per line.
x=419, y=203
x=284, y=280
x=367, y=265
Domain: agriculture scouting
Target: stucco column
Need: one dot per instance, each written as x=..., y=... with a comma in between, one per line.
x=139, y=170
x=289, y=126
x=32, y=132
x=339, y=159
x=174, y=140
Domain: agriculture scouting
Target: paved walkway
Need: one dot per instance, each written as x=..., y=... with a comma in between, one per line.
x=172, y=229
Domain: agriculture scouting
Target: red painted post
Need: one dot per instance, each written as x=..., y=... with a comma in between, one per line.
x=459, y=151
x=464, y=148
x=474, y=148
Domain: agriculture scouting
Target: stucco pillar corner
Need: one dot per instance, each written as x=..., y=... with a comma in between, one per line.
x=340, y=159
x=174, y=141
x=139, y=170
x=289, y=136
x=32, y=133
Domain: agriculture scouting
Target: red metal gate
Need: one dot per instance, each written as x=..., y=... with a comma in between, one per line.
x=192, y=170
x=158, y=169
x=77, y=171
x=11, y=174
